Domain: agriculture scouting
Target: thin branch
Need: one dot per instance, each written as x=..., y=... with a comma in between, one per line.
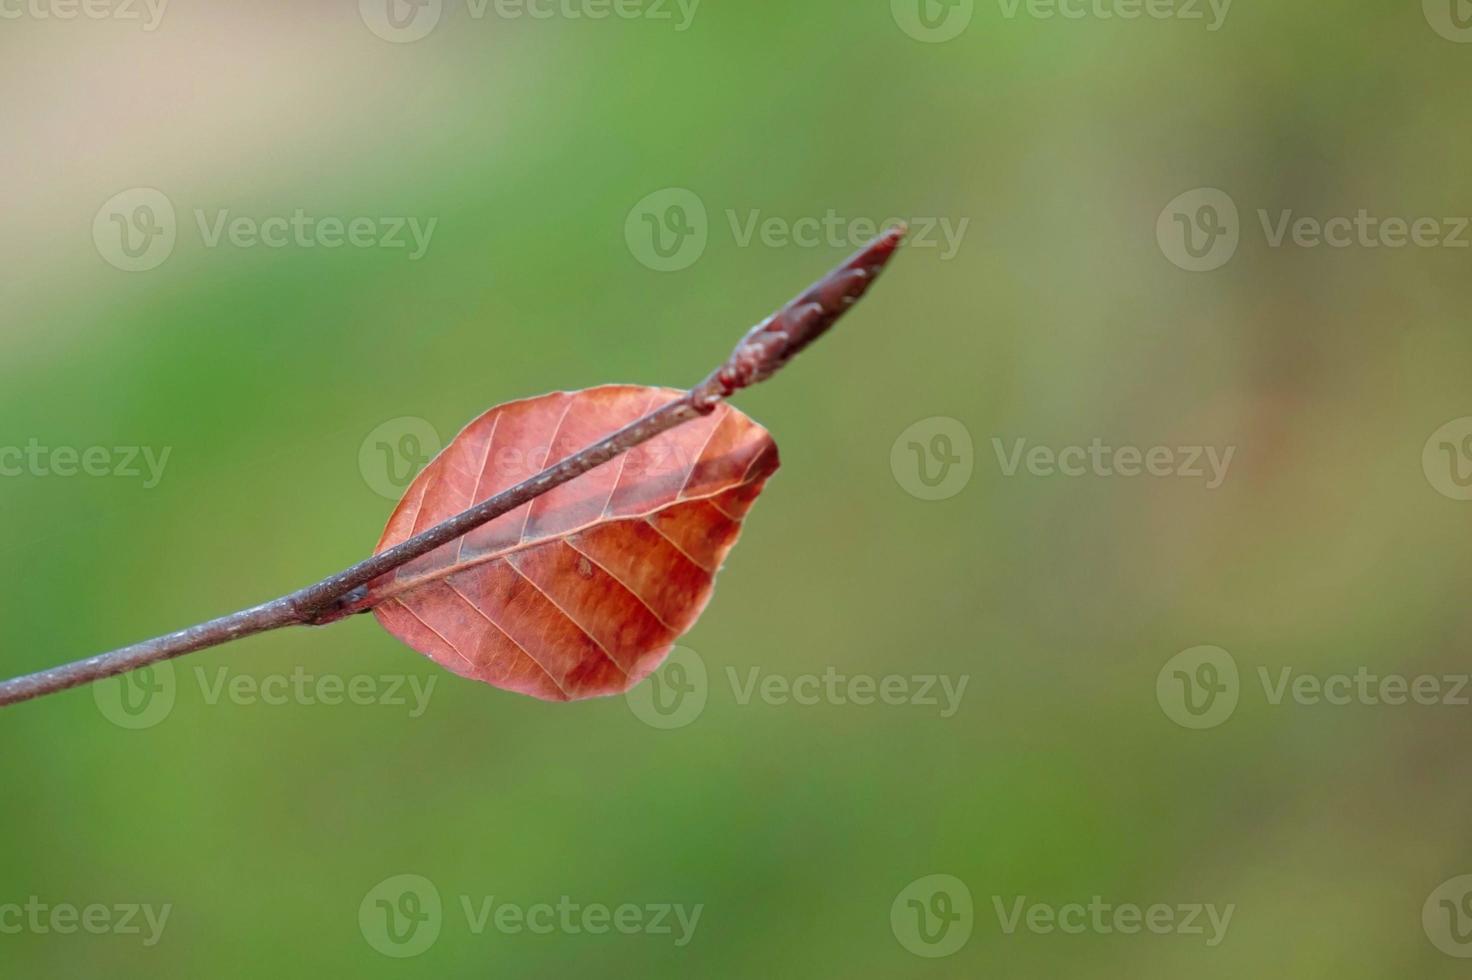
x=759, y=355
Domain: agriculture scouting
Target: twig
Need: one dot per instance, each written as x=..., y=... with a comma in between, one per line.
x=759, y=355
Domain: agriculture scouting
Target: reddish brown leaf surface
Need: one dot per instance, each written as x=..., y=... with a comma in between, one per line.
x=582, y=591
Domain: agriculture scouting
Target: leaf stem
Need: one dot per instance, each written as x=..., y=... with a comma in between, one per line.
x=760, y=354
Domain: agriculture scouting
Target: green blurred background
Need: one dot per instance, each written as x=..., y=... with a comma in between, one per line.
x=1061, y=317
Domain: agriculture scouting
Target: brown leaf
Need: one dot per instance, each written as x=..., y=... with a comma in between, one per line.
x=582, y=591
